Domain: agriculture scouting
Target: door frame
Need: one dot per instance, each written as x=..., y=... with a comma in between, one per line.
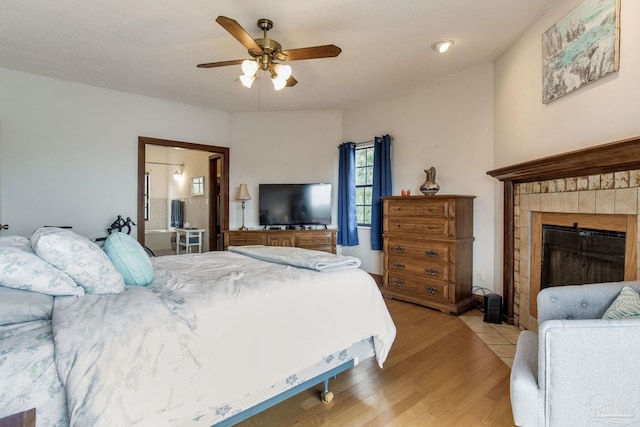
x=222, y=152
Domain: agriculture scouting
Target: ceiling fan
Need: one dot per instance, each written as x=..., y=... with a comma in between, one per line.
x=267, y=54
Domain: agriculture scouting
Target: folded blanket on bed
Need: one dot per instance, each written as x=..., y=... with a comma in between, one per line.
x=297, y=257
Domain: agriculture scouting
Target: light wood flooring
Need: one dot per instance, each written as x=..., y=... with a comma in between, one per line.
x=438, y=373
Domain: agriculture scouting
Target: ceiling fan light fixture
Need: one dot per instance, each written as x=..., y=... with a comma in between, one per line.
x=246, y=80
x=280, y=75
x=249, y=67
x=265, y=51
x=278, y=84
x=443, y=46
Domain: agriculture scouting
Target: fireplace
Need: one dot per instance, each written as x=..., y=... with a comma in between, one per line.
x=579, y=248
x=574, y=256
x=594, y=187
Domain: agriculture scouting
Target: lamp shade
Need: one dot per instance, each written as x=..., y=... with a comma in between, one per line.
x=243, y=193
x=249, y=67
x=281, y=74
x=247, y=81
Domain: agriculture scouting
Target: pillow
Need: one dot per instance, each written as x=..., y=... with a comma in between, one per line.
x=18, y=306
x=625, y=306
x=129, y=258
x=80, y=258
x=21, y=268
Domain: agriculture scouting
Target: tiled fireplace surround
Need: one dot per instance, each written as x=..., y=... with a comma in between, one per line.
x=610, y=193
x=604, y=179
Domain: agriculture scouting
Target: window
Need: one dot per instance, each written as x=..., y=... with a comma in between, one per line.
x=197, y=186
x=147, y=195
x=364, y=184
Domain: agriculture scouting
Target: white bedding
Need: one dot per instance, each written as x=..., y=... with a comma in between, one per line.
x=315, y=260
x=28, y=376
x=211, y=327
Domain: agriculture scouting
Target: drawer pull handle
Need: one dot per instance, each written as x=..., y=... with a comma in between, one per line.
x=398, y=266
x=431, y=209
x=431, y=227
x=399, y=250
x=431, y=272
x=432, y=254
x=430, y=290
x=398, y=282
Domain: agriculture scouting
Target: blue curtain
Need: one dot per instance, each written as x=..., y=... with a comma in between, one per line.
x=347, y=221
x=381, y=186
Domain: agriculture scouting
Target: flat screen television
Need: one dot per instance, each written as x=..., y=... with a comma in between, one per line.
x=294, y=204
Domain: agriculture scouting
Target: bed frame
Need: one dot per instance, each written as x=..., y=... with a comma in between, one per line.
x=326, y=395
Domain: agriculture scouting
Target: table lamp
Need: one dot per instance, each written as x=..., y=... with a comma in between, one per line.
x=243, y=194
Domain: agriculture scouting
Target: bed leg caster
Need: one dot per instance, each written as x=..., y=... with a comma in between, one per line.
x=326, y=397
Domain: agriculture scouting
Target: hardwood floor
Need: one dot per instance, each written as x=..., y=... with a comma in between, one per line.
x=438, y=373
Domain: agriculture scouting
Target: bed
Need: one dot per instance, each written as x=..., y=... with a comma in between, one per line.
x=206, y=339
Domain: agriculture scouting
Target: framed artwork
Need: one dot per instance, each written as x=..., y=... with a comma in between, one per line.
x=581, y=48
x=197, y=186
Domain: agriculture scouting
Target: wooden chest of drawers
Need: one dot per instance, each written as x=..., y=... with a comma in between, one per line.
x=319, y=240
x=428, y=250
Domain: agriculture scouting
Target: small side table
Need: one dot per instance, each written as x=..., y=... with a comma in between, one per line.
x=192, y=237
x=23, y=419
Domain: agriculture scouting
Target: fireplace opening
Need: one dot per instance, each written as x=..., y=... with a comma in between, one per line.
x=575, y=256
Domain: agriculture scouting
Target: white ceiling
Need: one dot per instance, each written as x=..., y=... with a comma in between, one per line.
x=151, y=47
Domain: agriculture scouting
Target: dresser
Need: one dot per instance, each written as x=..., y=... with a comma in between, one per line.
x=428, y=250
x=319, y=240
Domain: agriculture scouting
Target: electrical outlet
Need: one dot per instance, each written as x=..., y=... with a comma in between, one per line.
x=480, y=275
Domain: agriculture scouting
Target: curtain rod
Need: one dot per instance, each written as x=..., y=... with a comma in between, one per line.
x=168, y=164
x=368, y=142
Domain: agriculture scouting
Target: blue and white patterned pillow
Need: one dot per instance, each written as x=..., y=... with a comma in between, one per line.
x=625, y=306
x=80, y=258
x=18, y=306
x=21, y=268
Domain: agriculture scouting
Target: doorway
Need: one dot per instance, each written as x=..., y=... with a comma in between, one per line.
x=218, y=192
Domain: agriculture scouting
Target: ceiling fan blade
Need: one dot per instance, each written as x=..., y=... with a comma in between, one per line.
x=221, y=64
x=291, y=81
x=326, y=51
x=236, y=30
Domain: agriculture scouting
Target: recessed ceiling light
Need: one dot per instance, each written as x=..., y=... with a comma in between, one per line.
x=443, y=46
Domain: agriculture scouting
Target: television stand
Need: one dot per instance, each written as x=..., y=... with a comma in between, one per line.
x=319, y=240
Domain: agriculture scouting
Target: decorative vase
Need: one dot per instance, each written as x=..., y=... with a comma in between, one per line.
x=430, y=187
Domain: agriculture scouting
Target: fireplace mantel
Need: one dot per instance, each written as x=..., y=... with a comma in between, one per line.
x=607, y=158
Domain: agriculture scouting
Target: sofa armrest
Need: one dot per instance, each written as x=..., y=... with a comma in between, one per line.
x=588, y=370
x=525, y=394
x=579, y=301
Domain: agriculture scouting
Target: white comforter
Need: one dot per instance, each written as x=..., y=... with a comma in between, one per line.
x=315, y=260
x=212, y=327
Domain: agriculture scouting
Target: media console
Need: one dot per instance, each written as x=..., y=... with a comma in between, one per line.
x=319, y=240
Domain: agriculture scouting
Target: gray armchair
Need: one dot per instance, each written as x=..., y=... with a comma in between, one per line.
x=578, y=370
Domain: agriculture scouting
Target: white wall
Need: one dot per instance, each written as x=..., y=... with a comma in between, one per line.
x=447, y=124
x=604, y=111
x=280, y=148
x=68, y=152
